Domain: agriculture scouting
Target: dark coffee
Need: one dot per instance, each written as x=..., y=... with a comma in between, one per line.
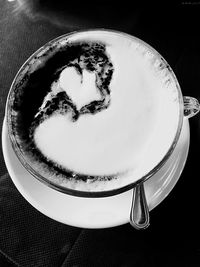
x=86, y=109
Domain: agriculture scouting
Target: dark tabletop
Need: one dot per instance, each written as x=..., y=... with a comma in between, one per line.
x=29, y=238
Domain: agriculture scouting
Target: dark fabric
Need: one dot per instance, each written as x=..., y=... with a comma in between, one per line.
x=29, y=238
x=25, y=230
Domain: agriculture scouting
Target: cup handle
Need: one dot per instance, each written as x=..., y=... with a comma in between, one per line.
x=191, y=106
x=139, y=216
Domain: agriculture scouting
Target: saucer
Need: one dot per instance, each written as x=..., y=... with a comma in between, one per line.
x=96, y=212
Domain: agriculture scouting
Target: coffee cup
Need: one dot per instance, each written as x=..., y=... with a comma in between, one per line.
x=95, y=113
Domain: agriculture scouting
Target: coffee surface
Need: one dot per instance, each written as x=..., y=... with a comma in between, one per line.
x=95, y=111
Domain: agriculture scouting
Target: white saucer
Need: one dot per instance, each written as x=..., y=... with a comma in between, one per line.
x=95, y=212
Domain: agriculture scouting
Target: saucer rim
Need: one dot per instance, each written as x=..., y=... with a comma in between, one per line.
x=57, y=218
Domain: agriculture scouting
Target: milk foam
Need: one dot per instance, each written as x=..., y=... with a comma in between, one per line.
x=132, y=135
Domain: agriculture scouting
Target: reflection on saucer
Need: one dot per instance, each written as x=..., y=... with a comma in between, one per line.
x=95, y=212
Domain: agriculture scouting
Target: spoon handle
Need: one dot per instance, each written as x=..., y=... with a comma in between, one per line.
x=139, y=216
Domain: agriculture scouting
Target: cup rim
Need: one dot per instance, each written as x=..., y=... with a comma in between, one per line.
x=93, y=194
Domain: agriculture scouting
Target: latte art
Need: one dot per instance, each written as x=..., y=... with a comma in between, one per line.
x=95, y=111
